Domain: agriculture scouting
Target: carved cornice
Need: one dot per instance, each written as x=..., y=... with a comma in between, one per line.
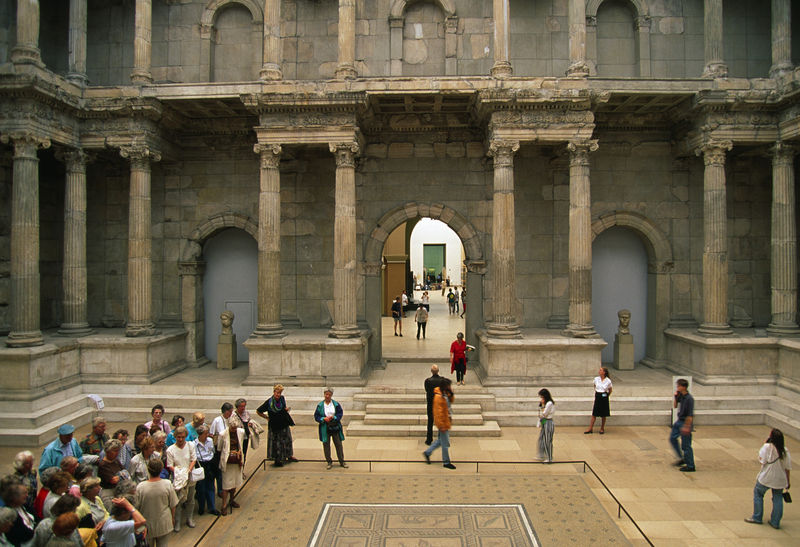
x=331, y=102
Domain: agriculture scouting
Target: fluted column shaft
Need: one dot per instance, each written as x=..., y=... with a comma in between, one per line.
x=781, y=37
x=502, y=64
x=784, y=242
x=715, y=66
x=346, y=68
x=504, y=240
x=580, y=240
x=25, y=313
x=77, y=42
x=75, y=321
x=26, y=49
x=140, y=261
x=715, y=241
x=344, y=242
x=577, y=39
x=271, y=69
x=142, y=42
x=269, y=242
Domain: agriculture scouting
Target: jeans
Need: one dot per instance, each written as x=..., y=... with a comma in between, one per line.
x=442, y=440
x=777, y=504
x=684, y=451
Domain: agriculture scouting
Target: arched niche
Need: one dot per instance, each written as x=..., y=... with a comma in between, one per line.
x=397, y=14
x=208, y=33
x=640, y=14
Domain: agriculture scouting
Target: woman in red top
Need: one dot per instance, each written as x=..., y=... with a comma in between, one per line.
x=458, y=358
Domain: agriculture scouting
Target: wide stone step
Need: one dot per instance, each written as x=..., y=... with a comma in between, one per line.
x=406, y=408
x=11, y=419
x=301, y=416
x=572, y=418
x=16, y=436
x=360, y=429
x=634, y=403
x=485, y=400
x=416, y=419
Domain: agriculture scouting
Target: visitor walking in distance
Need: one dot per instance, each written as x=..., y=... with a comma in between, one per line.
x=421, y=318
x=397, y=315
x=547, y=410
x=442, y=399
x=682, y=427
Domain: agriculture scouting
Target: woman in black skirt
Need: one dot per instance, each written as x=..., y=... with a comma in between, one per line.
x=602, y=392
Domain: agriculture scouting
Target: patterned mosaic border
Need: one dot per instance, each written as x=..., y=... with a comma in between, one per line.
x=439, y=525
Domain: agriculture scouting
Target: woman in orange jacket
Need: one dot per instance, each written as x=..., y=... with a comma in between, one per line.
x=442, y=398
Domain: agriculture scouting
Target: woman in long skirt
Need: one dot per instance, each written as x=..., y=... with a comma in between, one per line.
x=279, y=437
x=602, y=393
x=546, y=411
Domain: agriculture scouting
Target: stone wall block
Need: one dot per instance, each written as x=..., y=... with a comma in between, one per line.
x=401, y=150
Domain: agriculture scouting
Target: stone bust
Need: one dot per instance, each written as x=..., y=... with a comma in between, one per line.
x=624, y=321
x=227, y=321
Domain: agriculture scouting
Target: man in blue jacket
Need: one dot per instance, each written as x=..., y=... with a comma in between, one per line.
x=60, y=448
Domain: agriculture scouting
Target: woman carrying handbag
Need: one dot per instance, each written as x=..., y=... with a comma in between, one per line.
x=774, y=475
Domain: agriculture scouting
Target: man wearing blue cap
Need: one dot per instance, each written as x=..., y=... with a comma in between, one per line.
x=60, y=448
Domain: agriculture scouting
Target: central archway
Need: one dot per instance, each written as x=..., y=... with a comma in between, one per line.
x=373, y=249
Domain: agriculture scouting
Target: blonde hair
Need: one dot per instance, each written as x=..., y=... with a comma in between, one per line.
x=278, y=387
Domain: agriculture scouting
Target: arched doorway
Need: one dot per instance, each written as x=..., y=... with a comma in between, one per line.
x=619, y=280
x=230, y=283
x=373, y=257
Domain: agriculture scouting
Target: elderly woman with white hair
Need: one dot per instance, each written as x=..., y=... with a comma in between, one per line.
x=91, y=506
x=24, y=471
x=329, y=417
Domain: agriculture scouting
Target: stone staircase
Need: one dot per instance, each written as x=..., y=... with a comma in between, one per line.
x=405, y=415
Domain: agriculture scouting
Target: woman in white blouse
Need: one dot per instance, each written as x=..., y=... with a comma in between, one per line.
x=547, y=410
x=602, y=392
x=776, y=464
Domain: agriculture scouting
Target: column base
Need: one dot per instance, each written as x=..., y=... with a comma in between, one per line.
x=25, y=339
x=75, y=330
x=347, y=331
x=715, y=329
x=715, y=70
x=141, y=77
x=140, y=330
x=575, y=330
x=27, y=55
x=274, y=330
x=78, y=79
x=346, y=71
x=783, y=329
x=502, y=69
x=503, y=330
x=270, y=71
x=579, y=69
x=778, y=70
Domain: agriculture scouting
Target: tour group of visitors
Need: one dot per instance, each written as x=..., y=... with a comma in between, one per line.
x=119, y=491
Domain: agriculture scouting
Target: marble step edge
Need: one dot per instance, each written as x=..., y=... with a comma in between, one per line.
x=359, y=429
x=43, y=417
x=409, y=419
x=133, y=414
x=46, y=433
x=405, y=408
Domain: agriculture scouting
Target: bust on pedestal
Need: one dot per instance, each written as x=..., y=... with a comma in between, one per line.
x=623, y=342
x=226, y=344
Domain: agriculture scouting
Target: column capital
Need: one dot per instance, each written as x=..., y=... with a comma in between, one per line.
x=75, y=159
x=713, y=151
x=191, y=267
x=476, y=266
x=372, y=269
x=270, y=155
x=503, y=151
x=139, y=153
x=345, y=153
x=783, y=152
x=25, y=143
x=579, y=151
x=643, y=23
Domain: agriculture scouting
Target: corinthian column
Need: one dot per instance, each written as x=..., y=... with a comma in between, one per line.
x=269, y=242
x=580, y=240
x=142, y=42
x=503, y=241
x=784, y=242
x=26, y=51
x=712, y=40
x=502, y=64
x=271, y=69
x=77, y=42
x=715, y=240
x=140, y=261
x=344, y=242
x=346, y=68
x=25, y=329
x=781, y=37
x=577, y=39
x=75, y=322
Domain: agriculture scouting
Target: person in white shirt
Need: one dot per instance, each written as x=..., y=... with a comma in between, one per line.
x=602, y=392
x=547, y=410
x=776, y=462
x=181, y=459
x=218, y=426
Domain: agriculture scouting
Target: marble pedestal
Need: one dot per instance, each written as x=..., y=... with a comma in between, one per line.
x=623, y=351
x=226, y=351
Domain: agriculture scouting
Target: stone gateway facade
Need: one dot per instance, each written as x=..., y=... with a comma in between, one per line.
x=135, y=131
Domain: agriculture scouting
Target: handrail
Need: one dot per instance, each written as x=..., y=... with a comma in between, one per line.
x=620, y=508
